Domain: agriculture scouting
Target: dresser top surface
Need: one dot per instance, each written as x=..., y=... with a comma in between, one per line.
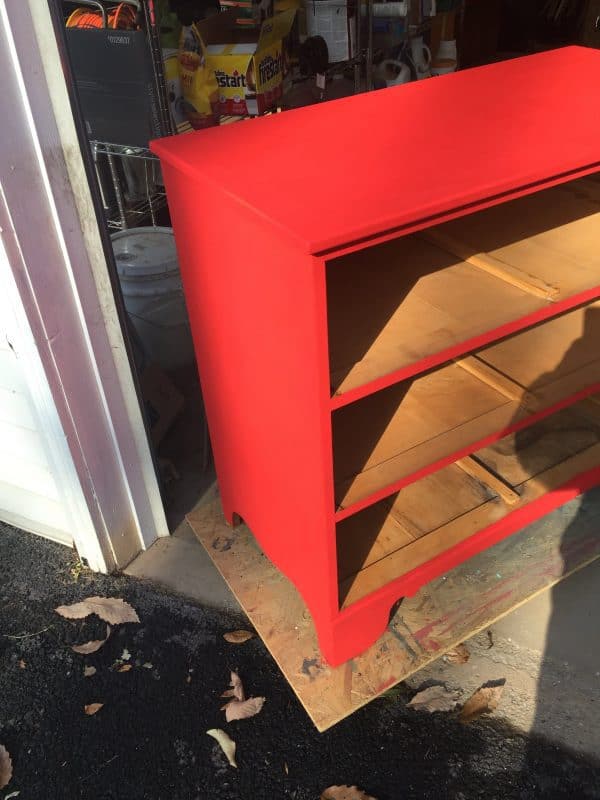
x=338, y=172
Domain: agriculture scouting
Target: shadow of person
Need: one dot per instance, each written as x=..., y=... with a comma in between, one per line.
x=568, y=683
x=551, y=452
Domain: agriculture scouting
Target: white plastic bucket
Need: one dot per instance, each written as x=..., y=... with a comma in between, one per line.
x=329, y=19
x=151, y=285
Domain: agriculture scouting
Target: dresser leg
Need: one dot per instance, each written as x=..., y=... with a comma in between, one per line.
x=355, y=630
x=232, y=520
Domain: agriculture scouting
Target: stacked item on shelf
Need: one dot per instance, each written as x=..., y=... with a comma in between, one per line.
x=443, y=38
x=115, y=74
x=114, y=52
x=231, y=69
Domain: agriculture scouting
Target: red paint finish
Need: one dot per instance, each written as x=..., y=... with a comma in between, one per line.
x=333, y=173
x=255, y=206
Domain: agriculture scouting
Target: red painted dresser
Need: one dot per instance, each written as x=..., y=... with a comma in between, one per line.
x=394, y=302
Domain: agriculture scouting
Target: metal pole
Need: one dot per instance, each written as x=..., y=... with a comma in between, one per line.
x=153, y=38
x=369, y=59
x=357, y=52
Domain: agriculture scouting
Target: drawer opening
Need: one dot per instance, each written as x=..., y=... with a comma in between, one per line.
x=421, y=521
x=388, y=437
x=394, y=305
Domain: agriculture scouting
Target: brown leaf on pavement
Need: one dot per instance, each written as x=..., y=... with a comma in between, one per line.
x=227, y=744
x=458, y=655
x=89, y=671
x=483, y=701
x=91, y=647
x=92, y=708
x=243, y=709
x=237, y=689
x=345, y=793
x=238, y=637
x=111, y=609
x=125, y=668
x=434, y=698
x=6, y=768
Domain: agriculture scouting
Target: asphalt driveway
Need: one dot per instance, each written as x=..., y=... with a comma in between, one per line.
x=148, y=740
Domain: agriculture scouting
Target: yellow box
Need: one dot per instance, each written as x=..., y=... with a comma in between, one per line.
x=248, y=64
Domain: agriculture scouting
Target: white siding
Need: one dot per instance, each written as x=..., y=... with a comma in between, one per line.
x=31, y=492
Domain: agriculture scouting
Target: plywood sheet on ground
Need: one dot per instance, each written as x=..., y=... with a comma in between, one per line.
x=443, y=614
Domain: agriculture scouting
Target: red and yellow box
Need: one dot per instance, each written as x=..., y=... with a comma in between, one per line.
x=248, y=64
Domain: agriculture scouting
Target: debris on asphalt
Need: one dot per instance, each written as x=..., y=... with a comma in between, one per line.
x=490, y=636
x=92, y=708
x=125, y=668
x=89, y=671
x=22, y=664
x=345, y=793
x=483, y=701
x=113, y=610
x=237, y=689
x=227, y=744
x=243, y=709
x=6, y=768
x=458, y=655
x=435, y=698
x=238, y=637
x=238, y=707
x=91, y=647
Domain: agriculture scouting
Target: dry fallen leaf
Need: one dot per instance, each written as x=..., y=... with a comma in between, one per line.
x=22, y=664
x=238, y=637
x=244, y=709
x=237, y=689
x=111, y=609
x=89, y=671
x=345, y=793
x=435, y=698
x=92, y=708
x=459, y=655
x=483, y=701
x=91, y=647
x=227, y=744
x=6, y=768
x=125, y=668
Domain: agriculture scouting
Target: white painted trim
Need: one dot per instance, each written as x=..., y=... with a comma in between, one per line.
x=56, y=253
x=20, y=339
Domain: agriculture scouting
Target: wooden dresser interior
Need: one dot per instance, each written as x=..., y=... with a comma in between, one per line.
x=397, y=306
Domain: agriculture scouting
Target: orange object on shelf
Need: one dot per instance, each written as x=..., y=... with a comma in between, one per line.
x=121, y=17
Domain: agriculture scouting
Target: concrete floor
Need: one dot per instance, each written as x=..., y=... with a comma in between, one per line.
x=554, y=685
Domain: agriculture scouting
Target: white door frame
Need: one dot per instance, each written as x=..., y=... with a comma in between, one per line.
x=78, y=528
x=50, y=233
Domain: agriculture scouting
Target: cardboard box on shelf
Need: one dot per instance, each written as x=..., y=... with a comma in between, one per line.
x=249, y=12
x=248, y=64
